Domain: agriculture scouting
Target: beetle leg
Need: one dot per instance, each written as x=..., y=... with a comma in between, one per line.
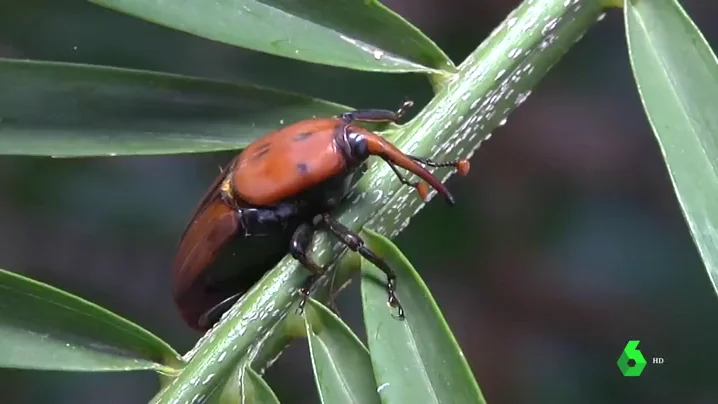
x=299, y=248
x=214, y=314
x=378, y=115
x=352, y=240
x=401, y=177
x=420, y=187
x=462, y=166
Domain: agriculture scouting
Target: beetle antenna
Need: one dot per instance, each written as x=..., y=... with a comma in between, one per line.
x=461, y=166
x=378, y=146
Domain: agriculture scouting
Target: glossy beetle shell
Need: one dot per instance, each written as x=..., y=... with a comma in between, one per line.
x=307, y=155
x=215, y=260
x=262, y=205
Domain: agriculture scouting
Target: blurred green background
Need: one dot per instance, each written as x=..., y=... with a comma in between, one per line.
x=567, y=240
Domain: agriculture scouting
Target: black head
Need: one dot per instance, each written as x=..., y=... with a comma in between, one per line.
x=356, y=147
x=357, y=144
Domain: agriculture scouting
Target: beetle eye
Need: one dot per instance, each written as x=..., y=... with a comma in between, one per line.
x=358, y=145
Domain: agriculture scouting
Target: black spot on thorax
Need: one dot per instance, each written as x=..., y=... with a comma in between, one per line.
x=302, y=168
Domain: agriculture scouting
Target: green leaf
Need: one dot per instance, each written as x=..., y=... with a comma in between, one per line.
x=677, y=77
x=342, y=367
x=42, y=327
x=417, y=359
x=66, y=110
x=244, y=385
x=356, y=34
x=255, y=389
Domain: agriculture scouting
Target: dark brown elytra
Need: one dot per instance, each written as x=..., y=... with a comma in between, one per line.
x=272, y=198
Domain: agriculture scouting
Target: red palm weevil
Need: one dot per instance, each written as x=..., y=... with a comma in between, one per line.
x=270, y=199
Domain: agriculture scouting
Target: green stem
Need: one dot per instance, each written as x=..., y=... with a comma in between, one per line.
x=496, y=78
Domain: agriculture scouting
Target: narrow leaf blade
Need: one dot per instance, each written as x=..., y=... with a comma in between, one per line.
x=255, y=390
x=70, y=110
x=356, y=34
x=342, y=367
x=244, y=386
x=42, y=327
x=417, y=359
x=677, y=76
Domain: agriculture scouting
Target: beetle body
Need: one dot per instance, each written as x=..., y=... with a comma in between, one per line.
x=216, y=260
x=266, y=203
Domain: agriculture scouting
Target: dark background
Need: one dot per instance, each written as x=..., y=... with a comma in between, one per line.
x=567, y=240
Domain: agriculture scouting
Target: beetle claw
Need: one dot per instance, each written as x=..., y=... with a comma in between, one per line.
x=394, y=303
x=300, y=310
x=393, y=300
x=303, y=301
x=405, y=105
x=306, y=290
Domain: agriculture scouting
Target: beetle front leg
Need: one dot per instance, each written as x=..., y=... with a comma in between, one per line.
x=378, y=115
x=352, y=240
x=214, y=313
x=299, y=249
